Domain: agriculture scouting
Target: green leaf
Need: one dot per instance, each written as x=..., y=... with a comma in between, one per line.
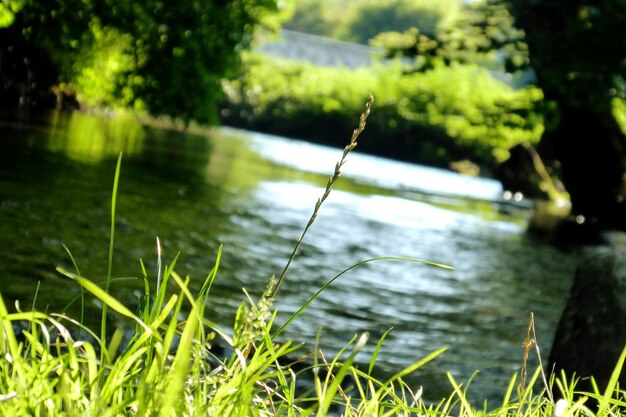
x=103, y=296
x=376, y=350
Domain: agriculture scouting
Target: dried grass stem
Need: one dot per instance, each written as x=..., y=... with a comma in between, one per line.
x=329, y=185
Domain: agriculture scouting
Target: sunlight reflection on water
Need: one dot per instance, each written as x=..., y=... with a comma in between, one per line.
x=391, y=174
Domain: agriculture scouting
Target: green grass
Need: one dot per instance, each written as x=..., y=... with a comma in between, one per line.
x=166, y=366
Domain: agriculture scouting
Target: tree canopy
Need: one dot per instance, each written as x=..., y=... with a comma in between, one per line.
x=578, y=51
x=368, y=18
x=481, y=33
x=360, y=21
x=166, y=59
x=578, y=48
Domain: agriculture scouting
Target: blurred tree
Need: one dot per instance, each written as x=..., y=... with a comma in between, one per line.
x=8, y=8
x=317, y=17
x=167, y=60
x=482, y=33
x=360, y=21
x=368, y=18
x=578, y=51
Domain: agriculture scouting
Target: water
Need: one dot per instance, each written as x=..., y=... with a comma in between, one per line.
x=253, y=194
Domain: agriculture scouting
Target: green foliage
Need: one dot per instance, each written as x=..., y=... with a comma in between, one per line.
x=411, y=43
x=46, y=371
x=477, y=32
x=450, y=112
x=168, y=60
x=98, y=70
x=486, y=31
x=8, y=8
x=447, y=114
x=317, y=17
x=369, y=18
x=360, y=21
x=577, y=48
x=483, y=33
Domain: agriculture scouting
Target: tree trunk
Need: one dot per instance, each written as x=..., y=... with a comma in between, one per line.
x=588, y=146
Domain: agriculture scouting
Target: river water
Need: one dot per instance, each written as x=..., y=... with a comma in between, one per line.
x=253, y=194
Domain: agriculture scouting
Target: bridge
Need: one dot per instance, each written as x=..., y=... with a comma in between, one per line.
x=323, y=52
x=327, y=52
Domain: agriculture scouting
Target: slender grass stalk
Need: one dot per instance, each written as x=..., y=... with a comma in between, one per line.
x=327, y=284
x=331, y=181
x=158, y=285
x=180, y=365
x=379, y=345
x=538, y=352
x=103, y=325
x=328, y=393
x=82, y=293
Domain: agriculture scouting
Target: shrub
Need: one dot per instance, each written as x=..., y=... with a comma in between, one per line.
x=436, y=117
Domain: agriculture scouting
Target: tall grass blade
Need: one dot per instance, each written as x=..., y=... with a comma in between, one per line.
x=509, y=391
x=103, y=324
x=184, y=288
x=466, y=408
x=69, y=253
x=158, y=286
x=82, y=294
x=27, y=316
x=8, y=335
x=329, y=394
x=114, y=344
x=610, y=388
x=107, y=300
x=323, y=288
x=178, y=374
x=377, y=349
x=414, y=366
x=208, y=282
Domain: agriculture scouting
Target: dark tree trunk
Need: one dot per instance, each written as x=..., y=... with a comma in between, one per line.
x=591, y=334
x=26, y=72
x=588, y=146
